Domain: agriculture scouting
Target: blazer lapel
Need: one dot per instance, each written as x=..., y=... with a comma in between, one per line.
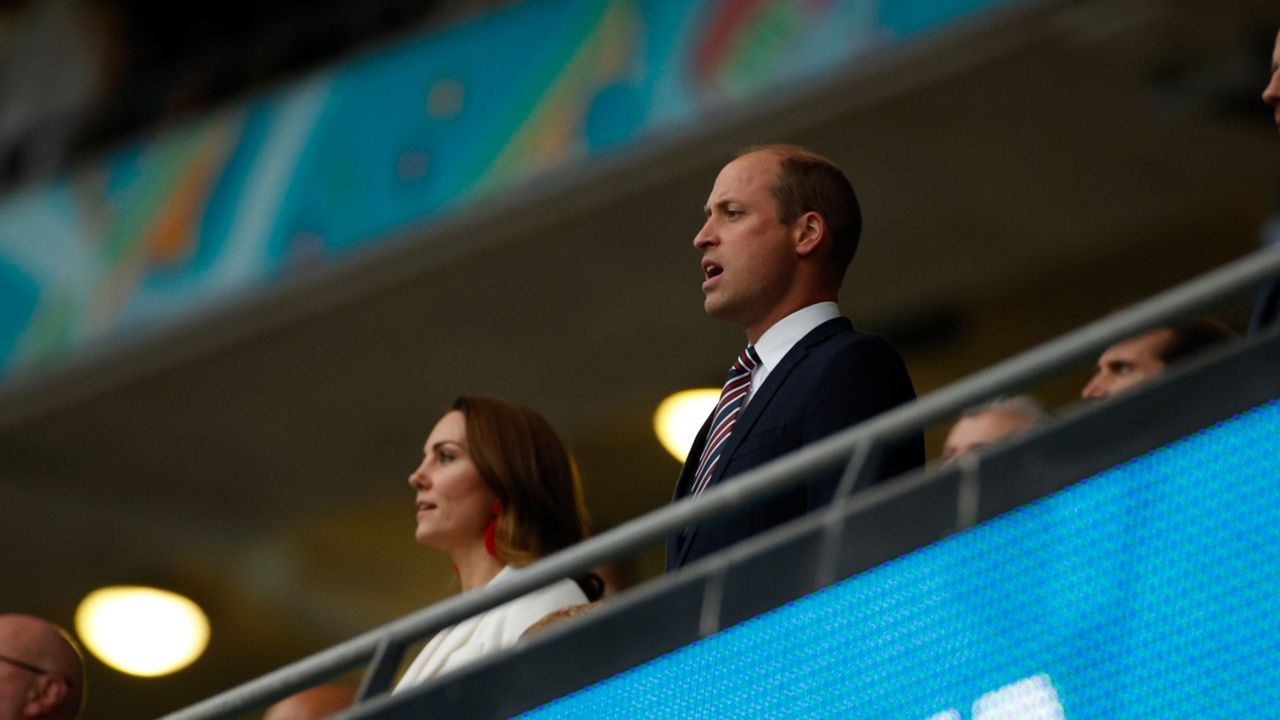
x=760, y=400
x=691, y=461
x=685, y=483
x=438, y=650
x=755, y=408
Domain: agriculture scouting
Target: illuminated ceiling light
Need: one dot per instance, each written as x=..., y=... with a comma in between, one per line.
x=141, y=630
x=679, y=417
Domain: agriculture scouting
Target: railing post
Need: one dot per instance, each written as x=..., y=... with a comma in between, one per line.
x=968, y=494
x=863, y=462
x=386, y=660
x=864, y=459
x=712, y=600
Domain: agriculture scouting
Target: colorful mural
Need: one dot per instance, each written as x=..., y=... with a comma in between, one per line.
x=344, y=158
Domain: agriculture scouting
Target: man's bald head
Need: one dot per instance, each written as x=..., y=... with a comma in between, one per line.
x=313, y=704
x=41, y=673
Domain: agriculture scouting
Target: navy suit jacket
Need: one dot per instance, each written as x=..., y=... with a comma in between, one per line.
x=833, y=378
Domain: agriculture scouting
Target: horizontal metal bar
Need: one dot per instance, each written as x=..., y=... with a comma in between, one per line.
x=775, y=476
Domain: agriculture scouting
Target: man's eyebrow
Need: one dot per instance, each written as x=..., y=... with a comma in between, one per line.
x=706, y=209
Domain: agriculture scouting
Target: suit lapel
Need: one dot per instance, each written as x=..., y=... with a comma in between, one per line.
x=691, y=461
x=755, y=408
x=759, y=401
x=685, y=482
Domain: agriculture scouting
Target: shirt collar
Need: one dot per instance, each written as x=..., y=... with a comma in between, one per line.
x=778, y=340
x=504, y=574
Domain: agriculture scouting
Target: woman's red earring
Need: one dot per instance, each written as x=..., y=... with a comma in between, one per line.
x=489, y=544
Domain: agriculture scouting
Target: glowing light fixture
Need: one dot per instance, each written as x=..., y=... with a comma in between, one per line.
x=679, y=417
x=142, y=630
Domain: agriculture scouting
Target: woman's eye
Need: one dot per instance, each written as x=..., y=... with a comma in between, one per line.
x=446, y=457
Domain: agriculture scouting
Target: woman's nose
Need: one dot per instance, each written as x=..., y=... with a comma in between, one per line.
x=419, y=478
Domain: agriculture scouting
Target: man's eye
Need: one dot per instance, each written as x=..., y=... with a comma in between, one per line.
x=1123, y=368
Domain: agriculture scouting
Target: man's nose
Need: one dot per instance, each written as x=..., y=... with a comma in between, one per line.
x=704, y=237
x=1095, y=390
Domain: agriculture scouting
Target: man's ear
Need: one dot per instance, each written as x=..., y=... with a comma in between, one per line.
x=809, y=230
x=45, y=695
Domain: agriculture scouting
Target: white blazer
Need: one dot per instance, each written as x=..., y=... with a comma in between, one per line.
x=490, y=631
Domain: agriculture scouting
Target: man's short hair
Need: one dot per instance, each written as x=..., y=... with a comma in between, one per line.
x=1022, y=405
x=1190, y=337
x=809, y=182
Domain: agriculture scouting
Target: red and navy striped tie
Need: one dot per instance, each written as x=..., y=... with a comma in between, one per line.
x=736, y=385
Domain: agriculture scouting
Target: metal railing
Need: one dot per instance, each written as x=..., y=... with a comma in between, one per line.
x=382, y=649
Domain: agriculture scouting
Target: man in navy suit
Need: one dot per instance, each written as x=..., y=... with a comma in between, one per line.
x=782, y=226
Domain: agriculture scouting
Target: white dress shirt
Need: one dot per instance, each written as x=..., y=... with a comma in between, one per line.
x=778, y=340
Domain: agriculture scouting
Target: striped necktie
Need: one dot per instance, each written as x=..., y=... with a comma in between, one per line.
x=736, y=385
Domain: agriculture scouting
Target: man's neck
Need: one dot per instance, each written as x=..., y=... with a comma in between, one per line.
x=757, y=330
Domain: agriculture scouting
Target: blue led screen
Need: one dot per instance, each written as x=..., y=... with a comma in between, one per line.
x=1150, y=590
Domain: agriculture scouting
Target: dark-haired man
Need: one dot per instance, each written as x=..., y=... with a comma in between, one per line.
x=1130, y=363
x=782, y=226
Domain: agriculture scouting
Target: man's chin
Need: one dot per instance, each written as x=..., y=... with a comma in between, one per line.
x=715, y=307
x=726, y=313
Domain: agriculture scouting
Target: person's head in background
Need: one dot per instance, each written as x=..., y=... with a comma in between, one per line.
x=41, y=671
x=496, y=487
x=1130, y=363
x=312, y=704
x=990, y=423
x=1271, y=93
